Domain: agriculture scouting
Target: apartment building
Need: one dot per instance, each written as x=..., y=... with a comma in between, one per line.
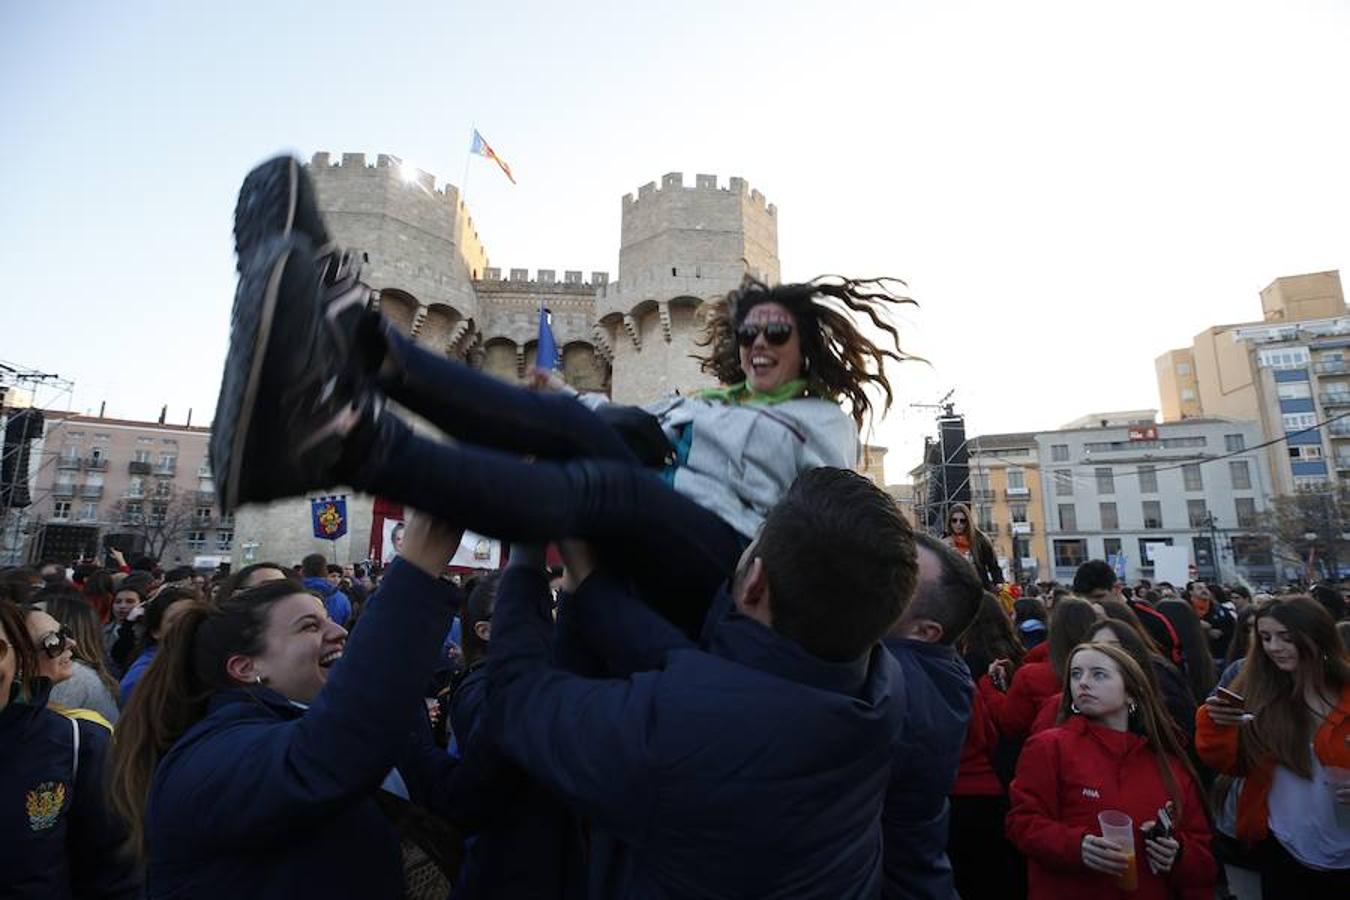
x=1006, y=492
x=97, y=477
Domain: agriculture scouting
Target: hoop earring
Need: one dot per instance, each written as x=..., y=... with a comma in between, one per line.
x=1133, y=708
x=257, y=679
x=1073, y=708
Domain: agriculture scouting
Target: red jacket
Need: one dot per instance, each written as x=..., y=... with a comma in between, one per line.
x=977, y=777
x=1069, y=774
x=1014, y=712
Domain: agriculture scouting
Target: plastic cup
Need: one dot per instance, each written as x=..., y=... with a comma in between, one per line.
x=1118, y=827
x=1336, y=777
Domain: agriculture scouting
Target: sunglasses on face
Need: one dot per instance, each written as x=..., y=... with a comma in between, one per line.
x=54, y=643
x=958, y=520
x=776, y=333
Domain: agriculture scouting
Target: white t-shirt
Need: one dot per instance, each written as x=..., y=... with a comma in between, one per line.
x=1303, y=818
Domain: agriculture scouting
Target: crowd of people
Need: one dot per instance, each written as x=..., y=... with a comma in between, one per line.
x=751, y=678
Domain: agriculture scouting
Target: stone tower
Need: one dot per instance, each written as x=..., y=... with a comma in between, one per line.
x=679, y=247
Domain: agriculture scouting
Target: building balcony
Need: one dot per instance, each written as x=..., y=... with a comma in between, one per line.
x=63, y=490
x=1332, y=367
x=983, y=495
x=1339, y=429
x=206, y=497
x=91, y=491
x=166, y=471
x=68, y=463
x=991, y=530
x=1017, y=492
x=1334, y=399
x=96, y=463
x=203, y=522
x=1021, y=528
x=137, y=467
x=133, y=494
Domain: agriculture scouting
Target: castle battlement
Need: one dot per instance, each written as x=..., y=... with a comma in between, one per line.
x=707, y=184
x=519, y=279
x=388, y=167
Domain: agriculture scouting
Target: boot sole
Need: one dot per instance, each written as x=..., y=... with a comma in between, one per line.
x=255, y=306
x=275, y=199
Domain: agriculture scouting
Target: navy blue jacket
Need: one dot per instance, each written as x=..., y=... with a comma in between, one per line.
x=338, y=606
x=750, y=768
x=916, y=816
x=525, y=842
x=58, y=839
x=263, y=799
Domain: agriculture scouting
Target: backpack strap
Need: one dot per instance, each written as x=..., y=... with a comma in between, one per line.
x=75, y=769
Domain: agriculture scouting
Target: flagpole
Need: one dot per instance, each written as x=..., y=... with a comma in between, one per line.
x=464, y=182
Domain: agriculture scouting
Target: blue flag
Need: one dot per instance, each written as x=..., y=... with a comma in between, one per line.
x=547, y=355
x=329, y=516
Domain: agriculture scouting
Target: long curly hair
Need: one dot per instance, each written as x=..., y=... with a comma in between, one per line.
x=840, y=363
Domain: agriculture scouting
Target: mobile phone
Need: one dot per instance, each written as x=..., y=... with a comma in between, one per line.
x=1162, y=827
x=1232, y=698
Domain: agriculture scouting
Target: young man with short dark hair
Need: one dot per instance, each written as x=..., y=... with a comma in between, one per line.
x=938, y=693
x=755, y=763
x=315, y=570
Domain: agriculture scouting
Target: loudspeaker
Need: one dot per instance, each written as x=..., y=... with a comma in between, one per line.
x=22, y=427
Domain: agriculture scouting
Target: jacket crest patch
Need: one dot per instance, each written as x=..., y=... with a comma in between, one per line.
x=43, y=804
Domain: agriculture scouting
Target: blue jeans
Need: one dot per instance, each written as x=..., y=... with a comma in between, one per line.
x=584, y=481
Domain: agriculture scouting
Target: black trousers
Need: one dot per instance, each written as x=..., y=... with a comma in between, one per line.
x=1284, y=876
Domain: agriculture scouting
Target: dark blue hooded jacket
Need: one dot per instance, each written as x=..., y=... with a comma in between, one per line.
x=751, y=768
x=58, y=839
x=916, y=816
x=262, y=799
x=338, y=606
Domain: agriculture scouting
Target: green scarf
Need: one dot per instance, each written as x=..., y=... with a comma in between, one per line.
x=743, y=395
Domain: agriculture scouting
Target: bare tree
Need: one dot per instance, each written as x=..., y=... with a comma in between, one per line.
x=162, y=519
x=1313, y=524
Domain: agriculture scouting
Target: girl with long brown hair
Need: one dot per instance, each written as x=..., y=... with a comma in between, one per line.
x=796, y=372
x=248, y=761
x=1285, y=727
x=91, y=685
x=964, y=536
x=1114, y=750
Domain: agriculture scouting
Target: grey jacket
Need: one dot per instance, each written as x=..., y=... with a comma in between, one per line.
x=84, y=690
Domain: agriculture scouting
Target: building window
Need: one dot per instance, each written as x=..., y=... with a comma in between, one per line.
x=1059, y=452
x=1305, y=452
x=168, y=463
x=202, y=512
x=1291, y=358
x=1183, y=368
x=1190, y=474
x=1196, y=513
x=158, y=512
x=196, y=540
x=1179, y=443
x=1111, y=547
x=224, y=540
x=1293, y=390
x=1070, y=554
x=140, y=456
x=162, y=489
x=1068, y=517
x=61, y=511
x=132, y=513
x=984, y=518
x=1252, y=550
x=1146, y=546
x=1148, y=479
x=1019, y=512
x=1299, y=421
x=1063, y=482
x=1187, y=394
x=1234, y=442
x=1017, y=479
x=88, y=512
x=1240, y=475
x=1246, y=512
x=1152, y=514
x=1106, y=481
x=1110, y=518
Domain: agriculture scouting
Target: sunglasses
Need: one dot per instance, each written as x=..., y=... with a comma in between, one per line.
x=54, y=643
x=776, y=333
x=960, y=519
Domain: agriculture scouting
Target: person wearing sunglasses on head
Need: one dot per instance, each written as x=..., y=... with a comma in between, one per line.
x=963, y=536
x=673, y=492
x=55, y=644
x=58, y=838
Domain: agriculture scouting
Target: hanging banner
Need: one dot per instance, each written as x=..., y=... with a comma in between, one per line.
x=329, y=516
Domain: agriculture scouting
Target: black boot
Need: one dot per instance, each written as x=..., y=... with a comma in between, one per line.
x=292, y=415
x=276, y=199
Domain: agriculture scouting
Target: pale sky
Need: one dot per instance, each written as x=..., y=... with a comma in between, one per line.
x=1070, y=188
